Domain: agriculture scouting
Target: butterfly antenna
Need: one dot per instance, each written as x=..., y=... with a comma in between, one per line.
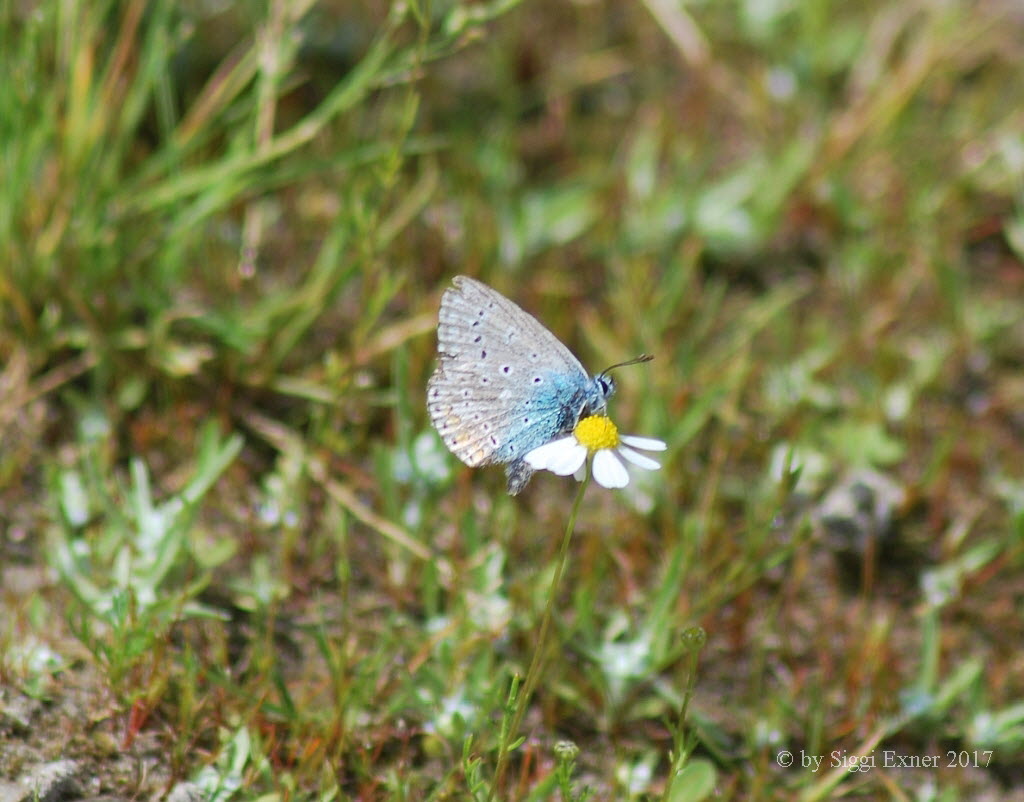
x=634, y=361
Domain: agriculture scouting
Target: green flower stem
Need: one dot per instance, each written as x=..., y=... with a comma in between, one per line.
x=693, y=640
x=536, y=663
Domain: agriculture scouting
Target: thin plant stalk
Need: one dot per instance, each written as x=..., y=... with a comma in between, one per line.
x=694, y=639
x=536, y=663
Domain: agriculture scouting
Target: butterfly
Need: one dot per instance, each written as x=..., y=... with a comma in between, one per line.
x=504, y=384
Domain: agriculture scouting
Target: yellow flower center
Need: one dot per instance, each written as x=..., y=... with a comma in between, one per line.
x=597, y=432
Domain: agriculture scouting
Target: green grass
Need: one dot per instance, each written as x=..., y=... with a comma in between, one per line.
x=232, y=549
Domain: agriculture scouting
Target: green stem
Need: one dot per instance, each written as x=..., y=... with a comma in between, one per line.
x=694, y=639
x=536, y=663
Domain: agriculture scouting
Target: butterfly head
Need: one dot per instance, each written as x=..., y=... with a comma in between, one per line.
x=603, y=386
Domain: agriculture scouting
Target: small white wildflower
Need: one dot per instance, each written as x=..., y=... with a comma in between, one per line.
x=598, y=436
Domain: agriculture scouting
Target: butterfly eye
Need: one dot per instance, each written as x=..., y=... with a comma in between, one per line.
x=607, y=385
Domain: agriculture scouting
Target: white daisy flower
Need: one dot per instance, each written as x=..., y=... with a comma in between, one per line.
x=597, y=436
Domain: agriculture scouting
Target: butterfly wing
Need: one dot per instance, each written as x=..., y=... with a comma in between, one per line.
x=504, y=384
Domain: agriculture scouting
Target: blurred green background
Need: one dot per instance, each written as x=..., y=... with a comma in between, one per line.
x=234, y=557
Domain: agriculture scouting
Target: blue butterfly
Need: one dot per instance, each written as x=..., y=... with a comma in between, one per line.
x=504, y=384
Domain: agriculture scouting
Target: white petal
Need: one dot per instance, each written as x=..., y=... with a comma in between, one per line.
x=581, y=472
x=609, y=470
x=559, y=456
x=542, y=456
x=571, y=461
x=638, y=459
x=646, y=443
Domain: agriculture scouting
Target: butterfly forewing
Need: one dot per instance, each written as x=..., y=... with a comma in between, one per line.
x=502, y=379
